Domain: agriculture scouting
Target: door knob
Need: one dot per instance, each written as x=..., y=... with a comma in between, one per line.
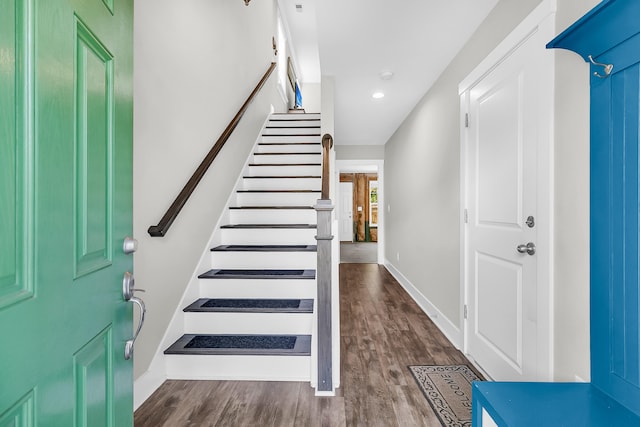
x=529, y=248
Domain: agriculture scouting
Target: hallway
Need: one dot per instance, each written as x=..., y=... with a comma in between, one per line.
x=382, y=332
x=359, y=252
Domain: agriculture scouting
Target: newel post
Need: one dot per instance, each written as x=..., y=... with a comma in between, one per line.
x=324, y=237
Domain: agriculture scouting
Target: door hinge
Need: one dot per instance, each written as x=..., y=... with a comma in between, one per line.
x=465, y=311
x=466, y=216
x=466, y=120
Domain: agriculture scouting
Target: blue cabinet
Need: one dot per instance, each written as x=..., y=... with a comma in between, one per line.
x=609, y=38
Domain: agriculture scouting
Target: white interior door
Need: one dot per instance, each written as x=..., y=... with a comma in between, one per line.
x=346, y=212
x=503, y=329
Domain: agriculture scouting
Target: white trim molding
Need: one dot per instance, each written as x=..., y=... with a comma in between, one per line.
x=145, y=385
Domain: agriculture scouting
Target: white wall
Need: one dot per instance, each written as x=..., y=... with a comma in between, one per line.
x=196, y=61
x=311, y=97
x=357, y=152
x=423, y=174
x=422, y=187
x=327, y=88
x=572, y=205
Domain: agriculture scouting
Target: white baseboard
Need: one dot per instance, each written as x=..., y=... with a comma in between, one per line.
x=451, y=331
x=144, y=386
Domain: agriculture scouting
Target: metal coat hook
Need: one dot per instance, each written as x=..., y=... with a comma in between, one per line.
x=608, y=68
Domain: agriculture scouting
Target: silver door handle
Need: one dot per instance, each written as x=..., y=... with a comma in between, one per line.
x=128, y=347
x=128, y=283
x=529, y=248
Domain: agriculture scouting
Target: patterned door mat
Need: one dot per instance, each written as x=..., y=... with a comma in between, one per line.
x=448, y=391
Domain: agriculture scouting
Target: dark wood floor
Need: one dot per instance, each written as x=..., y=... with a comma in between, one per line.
x=358, y=252
x=382, y=332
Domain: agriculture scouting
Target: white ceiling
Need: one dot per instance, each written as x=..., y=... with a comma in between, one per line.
x=355, y=40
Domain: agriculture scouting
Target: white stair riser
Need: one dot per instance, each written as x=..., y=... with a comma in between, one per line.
x=267, y=138
x=280, y=159
x=277, y=199
x=272, y=216
x=248, y=323
x=262, y=260
x=294, y=123
x=298, y=170
x=258, y=288
x=295, y=116
x=268, y=236
x=288, y=148
x=282, y=183
x=297, y=131
x=247, y=368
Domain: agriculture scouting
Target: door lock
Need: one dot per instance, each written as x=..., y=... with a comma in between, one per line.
x=129, y=245
x=531, y=221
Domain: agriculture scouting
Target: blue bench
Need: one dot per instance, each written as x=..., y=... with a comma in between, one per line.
x=518, y=404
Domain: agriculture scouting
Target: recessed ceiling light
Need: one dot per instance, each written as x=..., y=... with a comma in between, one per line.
x=378, y=95
x=386, y=75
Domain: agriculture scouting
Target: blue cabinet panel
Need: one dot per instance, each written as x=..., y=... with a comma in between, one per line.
x=610, y=34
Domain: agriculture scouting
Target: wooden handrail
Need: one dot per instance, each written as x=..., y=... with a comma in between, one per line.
x=327, y=144
x=161, y=229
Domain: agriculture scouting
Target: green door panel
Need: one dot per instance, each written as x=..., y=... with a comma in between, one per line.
x=16, y=148
x=65, y=208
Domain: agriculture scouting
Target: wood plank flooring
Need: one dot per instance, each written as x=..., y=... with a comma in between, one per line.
x=382, y=332
x=358, y=252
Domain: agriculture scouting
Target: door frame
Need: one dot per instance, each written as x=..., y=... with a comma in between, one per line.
x=541, y=20
x=376, y=166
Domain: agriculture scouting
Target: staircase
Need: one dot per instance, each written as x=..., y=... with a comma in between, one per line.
x=250, y=315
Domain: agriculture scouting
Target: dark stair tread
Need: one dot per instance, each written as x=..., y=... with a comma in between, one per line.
x=268, y=345
x=289, y=143
x=288, y=154
x=293, y=117
x=293, y=127
x=265, y=248
x=250, y=305
x=282, y=176
x=229, y=273
x=297, y=113
x=285, y=164
x=291, y=134
x=279, y=191
x=271, y=207
x=280, y=226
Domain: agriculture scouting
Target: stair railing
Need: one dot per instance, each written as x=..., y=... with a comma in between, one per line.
x=324, y=303
x=160, y=230
x=327, y=145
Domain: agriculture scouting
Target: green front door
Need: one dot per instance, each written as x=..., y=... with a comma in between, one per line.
x=65, y=208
